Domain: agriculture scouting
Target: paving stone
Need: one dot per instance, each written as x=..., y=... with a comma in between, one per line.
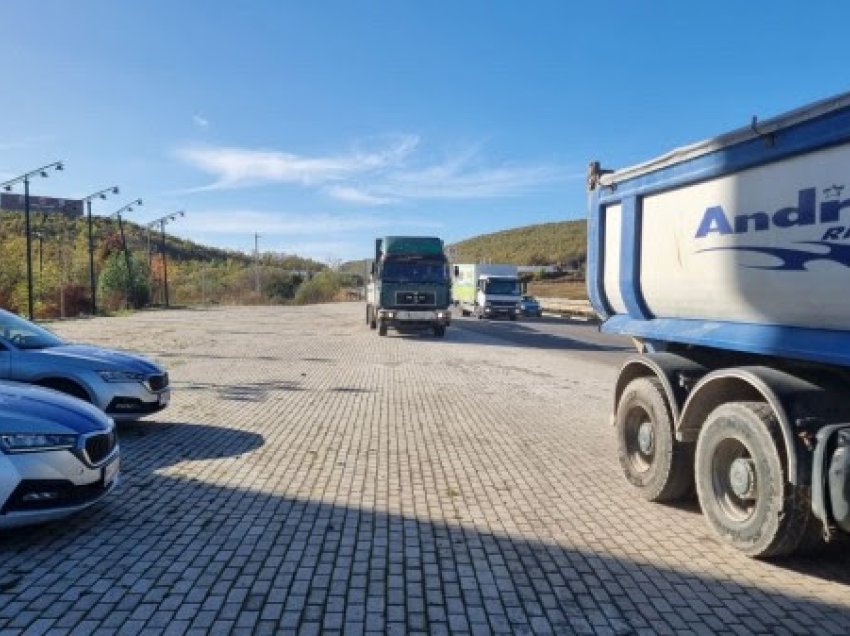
x=310, y=476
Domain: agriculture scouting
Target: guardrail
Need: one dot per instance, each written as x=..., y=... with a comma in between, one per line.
x=567, y=307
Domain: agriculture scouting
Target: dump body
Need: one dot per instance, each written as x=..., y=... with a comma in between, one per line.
x=741, y=242
x=727, y=261
x=410, y=287
x=487, y=290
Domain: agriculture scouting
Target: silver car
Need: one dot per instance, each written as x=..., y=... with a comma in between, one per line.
x=123, y=385
x=58, y=455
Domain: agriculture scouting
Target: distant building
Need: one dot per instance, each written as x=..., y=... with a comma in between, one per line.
x=42, y=205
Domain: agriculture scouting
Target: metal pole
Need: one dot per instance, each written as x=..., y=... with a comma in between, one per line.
x=130, y=294
x=30, y=303
x=257, y=260
x=164, y=262
x=92, y=285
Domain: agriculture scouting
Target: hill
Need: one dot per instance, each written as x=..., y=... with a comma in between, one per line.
x=195, y=273
x=563, y=243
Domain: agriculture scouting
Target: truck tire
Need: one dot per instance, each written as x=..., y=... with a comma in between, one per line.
x=464, y=313
x=512, y=316
x=439, y=330
x=368, y=315
x=382, y=328
x=742, y=483
x=659, y=467
x=373, y=324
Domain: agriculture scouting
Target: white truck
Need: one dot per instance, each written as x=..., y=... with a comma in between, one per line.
x=487, y=291
x=728, y=263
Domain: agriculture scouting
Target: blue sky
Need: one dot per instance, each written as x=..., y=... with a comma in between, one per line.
x=321, y=125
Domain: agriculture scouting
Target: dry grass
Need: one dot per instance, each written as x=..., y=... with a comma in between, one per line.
x=572, y=289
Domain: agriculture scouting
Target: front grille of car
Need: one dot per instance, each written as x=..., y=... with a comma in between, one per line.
x=418, y=299
x=158, y=382
x=98, y=447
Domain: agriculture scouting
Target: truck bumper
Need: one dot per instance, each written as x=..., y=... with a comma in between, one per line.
x=413, y=319
x=500, y=312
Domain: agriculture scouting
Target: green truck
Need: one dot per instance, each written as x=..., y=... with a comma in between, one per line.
x=410, y=286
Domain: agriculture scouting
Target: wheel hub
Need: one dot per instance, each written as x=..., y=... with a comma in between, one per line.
x=742, y=478
x=646, y=438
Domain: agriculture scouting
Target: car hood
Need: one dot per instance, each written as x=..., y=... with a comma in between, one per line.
x=25, y=408
x=89, y=356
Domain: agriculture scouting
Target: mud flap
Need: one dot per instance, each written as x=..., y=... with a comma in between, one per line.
x=838, y=479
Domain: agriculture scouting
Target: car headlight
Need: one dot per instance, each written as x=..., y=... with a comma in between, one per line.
x=32, y=442
x=120, y=376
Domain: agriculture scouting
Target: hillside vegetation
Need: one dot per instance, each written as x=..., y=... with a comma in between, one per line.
x=563, y=243
x=196, y=273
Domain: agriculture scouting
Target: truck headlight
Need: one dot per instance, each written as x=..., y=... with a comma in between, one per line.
x=121, y=376
x=32, y=442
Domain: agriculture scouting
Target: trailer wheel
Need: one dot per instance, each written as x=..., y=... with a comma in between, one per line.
x=742, y=483
x=439, y=330
x=653, y=462
x=382, y=328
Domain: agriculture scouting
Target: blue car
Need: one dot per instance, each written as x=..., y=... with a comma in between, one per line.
x=58, y=455
x=528, y=306
x=123, y=385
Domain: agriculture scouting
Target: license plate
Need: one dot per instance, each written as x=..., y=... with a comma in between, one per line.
x=416, y=315
x=164, y=398
x=110, y=471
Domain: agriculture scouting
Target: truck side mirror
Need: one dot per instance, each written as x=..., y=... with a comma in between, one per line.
x=457, y=271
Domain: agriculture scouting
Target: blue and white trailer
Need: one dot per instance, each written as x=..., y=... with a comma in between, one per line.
x=728, y=262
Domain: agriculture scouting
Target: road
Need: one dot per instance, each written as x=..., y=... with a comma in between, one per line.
x=581, y=338
x=312, y=477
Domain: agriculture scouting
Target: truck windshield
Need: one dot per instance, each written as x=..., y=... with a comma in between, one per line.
x=504, y=286
x=414, y=271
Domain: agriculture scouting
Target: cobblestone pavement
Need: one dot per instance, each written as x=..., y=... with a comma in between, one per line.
x=311, y=477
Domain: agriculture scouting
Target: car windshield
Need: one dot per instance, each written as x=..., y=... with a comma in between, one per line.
x=504, y=286
x=26, y=335
x=414, y=271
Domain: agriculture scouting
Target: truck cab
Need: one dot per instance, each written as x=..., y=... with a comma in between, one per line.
x=410, y=287
x=487, y=290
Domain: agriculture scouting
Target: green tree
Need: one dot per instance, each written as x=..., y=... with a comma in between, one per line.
x=114, y=288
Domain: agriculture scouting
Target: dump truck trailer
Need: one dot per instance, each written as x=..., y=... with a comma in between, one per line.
x=728, y=263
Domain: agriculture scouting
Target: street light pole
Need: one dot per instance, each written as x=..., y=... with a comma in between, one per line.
x=92, y=282
x=161, y=223
x=127, y=208
x=25, y=179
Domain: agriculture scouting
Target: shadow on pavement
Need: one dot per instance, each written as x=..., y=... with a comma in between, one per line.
x=176, y=536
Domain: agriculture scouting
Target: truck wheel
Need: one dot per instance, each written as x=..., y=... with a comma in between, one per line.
x=373, y=324
x=382, y=328
x=659, y=467
x=439, y=330
x=513, y=316
x=464, y=313
x=368, y=315
x=742, y=483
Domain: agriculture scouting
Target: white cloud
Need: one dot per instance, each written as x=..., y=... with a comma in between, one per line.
x=239, y=167
x=395, y=172
x=200, y=122
x=246, y=221
x=351, y=194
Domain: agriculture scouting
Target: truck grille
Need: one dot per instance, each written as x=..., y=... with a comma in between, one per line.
x=158, y=382
x=415, y=298
x=503, y=303
x=98, y=447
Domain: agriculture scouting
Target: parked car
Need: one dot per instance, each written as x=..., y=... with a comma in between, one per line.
x=58, y=455
x=528, y=306
x=123, y=385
